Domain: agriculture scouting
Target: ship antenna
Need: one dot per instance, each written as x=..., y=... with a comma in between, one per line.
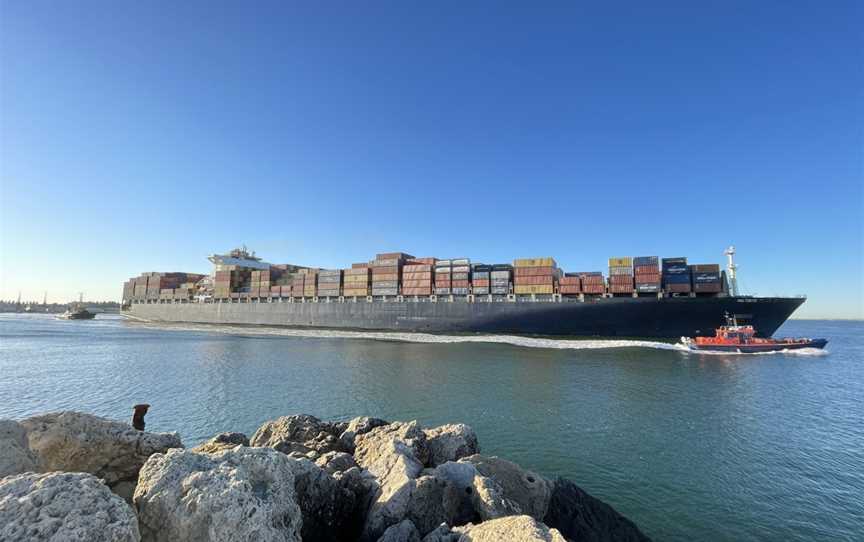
x=733, y=280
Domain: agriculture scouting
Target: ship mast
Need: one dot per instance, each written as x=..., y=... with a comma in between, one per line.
x=733, y=280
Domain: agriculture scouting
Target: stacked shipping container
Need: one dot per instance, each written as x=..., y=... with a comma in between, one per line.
x=356, y=280
x=501, y=279
x=329, y=282
x=706, y=278
x=646, y=270
x=570, y=284
x=481, y=275
x=417, y=276
x=621, y=275
x=460, y=283
x=443, y=277
x=393, y=273
x=676, y=275
x=534, y=275
x=387, y=272
x=592, y=282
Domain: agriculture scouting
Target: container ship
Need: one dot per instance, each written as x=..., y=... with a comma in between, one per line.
x=638, y=297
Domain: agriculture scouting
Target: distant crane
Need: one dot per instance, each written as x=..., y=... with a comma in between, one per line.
x=733, y=279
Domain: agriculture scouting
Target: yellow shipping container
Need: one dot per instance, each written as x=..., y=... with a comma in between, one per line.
x=385, y=277
x=533, y=289
x=350, y=292
x=621, y=262
x=534, y=262
x=360, y=279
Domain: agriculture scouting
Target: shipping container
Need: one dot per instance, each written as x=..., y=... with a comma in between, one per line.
x=548, y=279
x=707, y=287
x=416, y=290
x=480, y=275
x=499, y=290
x=648, y=287
x=678, y=288
x=394, y=256
x=533, y=289
x=645, y=260
x=706, y=277
x=459, y=291
x=441, y=291
x=459, y=276
x=618, y=270
x=480, y=290
x=534, y=262
x=501, y=274
x=705, y=268
x=569, y=289
x=385, y=291
x=385, y=284
x=423, y=261
x=533, y=271
x=621, y=262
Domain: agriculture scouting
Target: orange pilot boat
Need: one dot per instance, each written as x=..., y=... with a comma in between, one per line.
x=742, y=339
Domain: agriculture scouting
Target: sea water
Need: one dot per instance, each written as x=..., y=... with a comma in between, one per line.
x=689, y=446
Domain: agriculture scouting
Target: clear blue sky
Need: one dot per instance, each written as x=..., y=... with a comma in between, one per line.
x=141, y=136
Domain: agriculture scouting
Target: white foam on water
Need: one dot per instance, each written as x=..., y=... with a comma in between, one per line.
x=811, y=352
x=426, y=338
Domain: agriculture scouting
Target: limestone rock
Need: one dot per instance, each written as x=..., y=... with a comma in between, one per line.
x=333, y=506
x=336, y=462
x=510, y=528
x=77, y=442
x=300, y=433
x=15, y=454
x=357, y=426
x=486, y=497
x=238, y=494
x=450, y=443
x=579, y=516
x=221, y=442
x=403, y=531
x=61, y=506
x=437, y=500
x=402, y=437
x=392, y=454
x=528, y=490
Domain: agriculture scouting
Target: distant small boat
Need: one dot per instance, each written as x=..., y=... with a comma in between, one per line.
x=77, y=313
x=743, y=340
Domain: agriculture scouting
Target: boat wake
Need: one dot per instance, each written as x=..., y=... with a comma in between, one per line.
x=424, y=338
x=807, y=352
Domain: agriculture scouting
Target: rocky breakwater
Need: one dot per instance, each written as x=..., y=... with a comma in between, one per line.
x=297, y=478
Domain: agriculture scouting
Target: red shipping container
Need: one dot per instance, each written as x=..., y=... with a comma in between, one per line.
x=621, y=279
x=385, y=270
x=422, y=261
x=678, y=288
x=416, y=283
x=532, y=271
x=593, y=288
x=648, y=279
x=481, y=282
x=460, y=283
x=417, y=276
x=569, y=289
x=646, y=269
x=569, y=281
x=620, y=289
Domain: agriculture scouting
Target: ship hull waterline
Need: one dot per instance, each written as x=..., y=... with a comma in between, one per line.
x=662, y=318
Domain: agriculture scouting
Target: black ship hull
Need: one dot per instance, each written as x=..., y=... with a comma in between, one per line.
x=665, y=318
